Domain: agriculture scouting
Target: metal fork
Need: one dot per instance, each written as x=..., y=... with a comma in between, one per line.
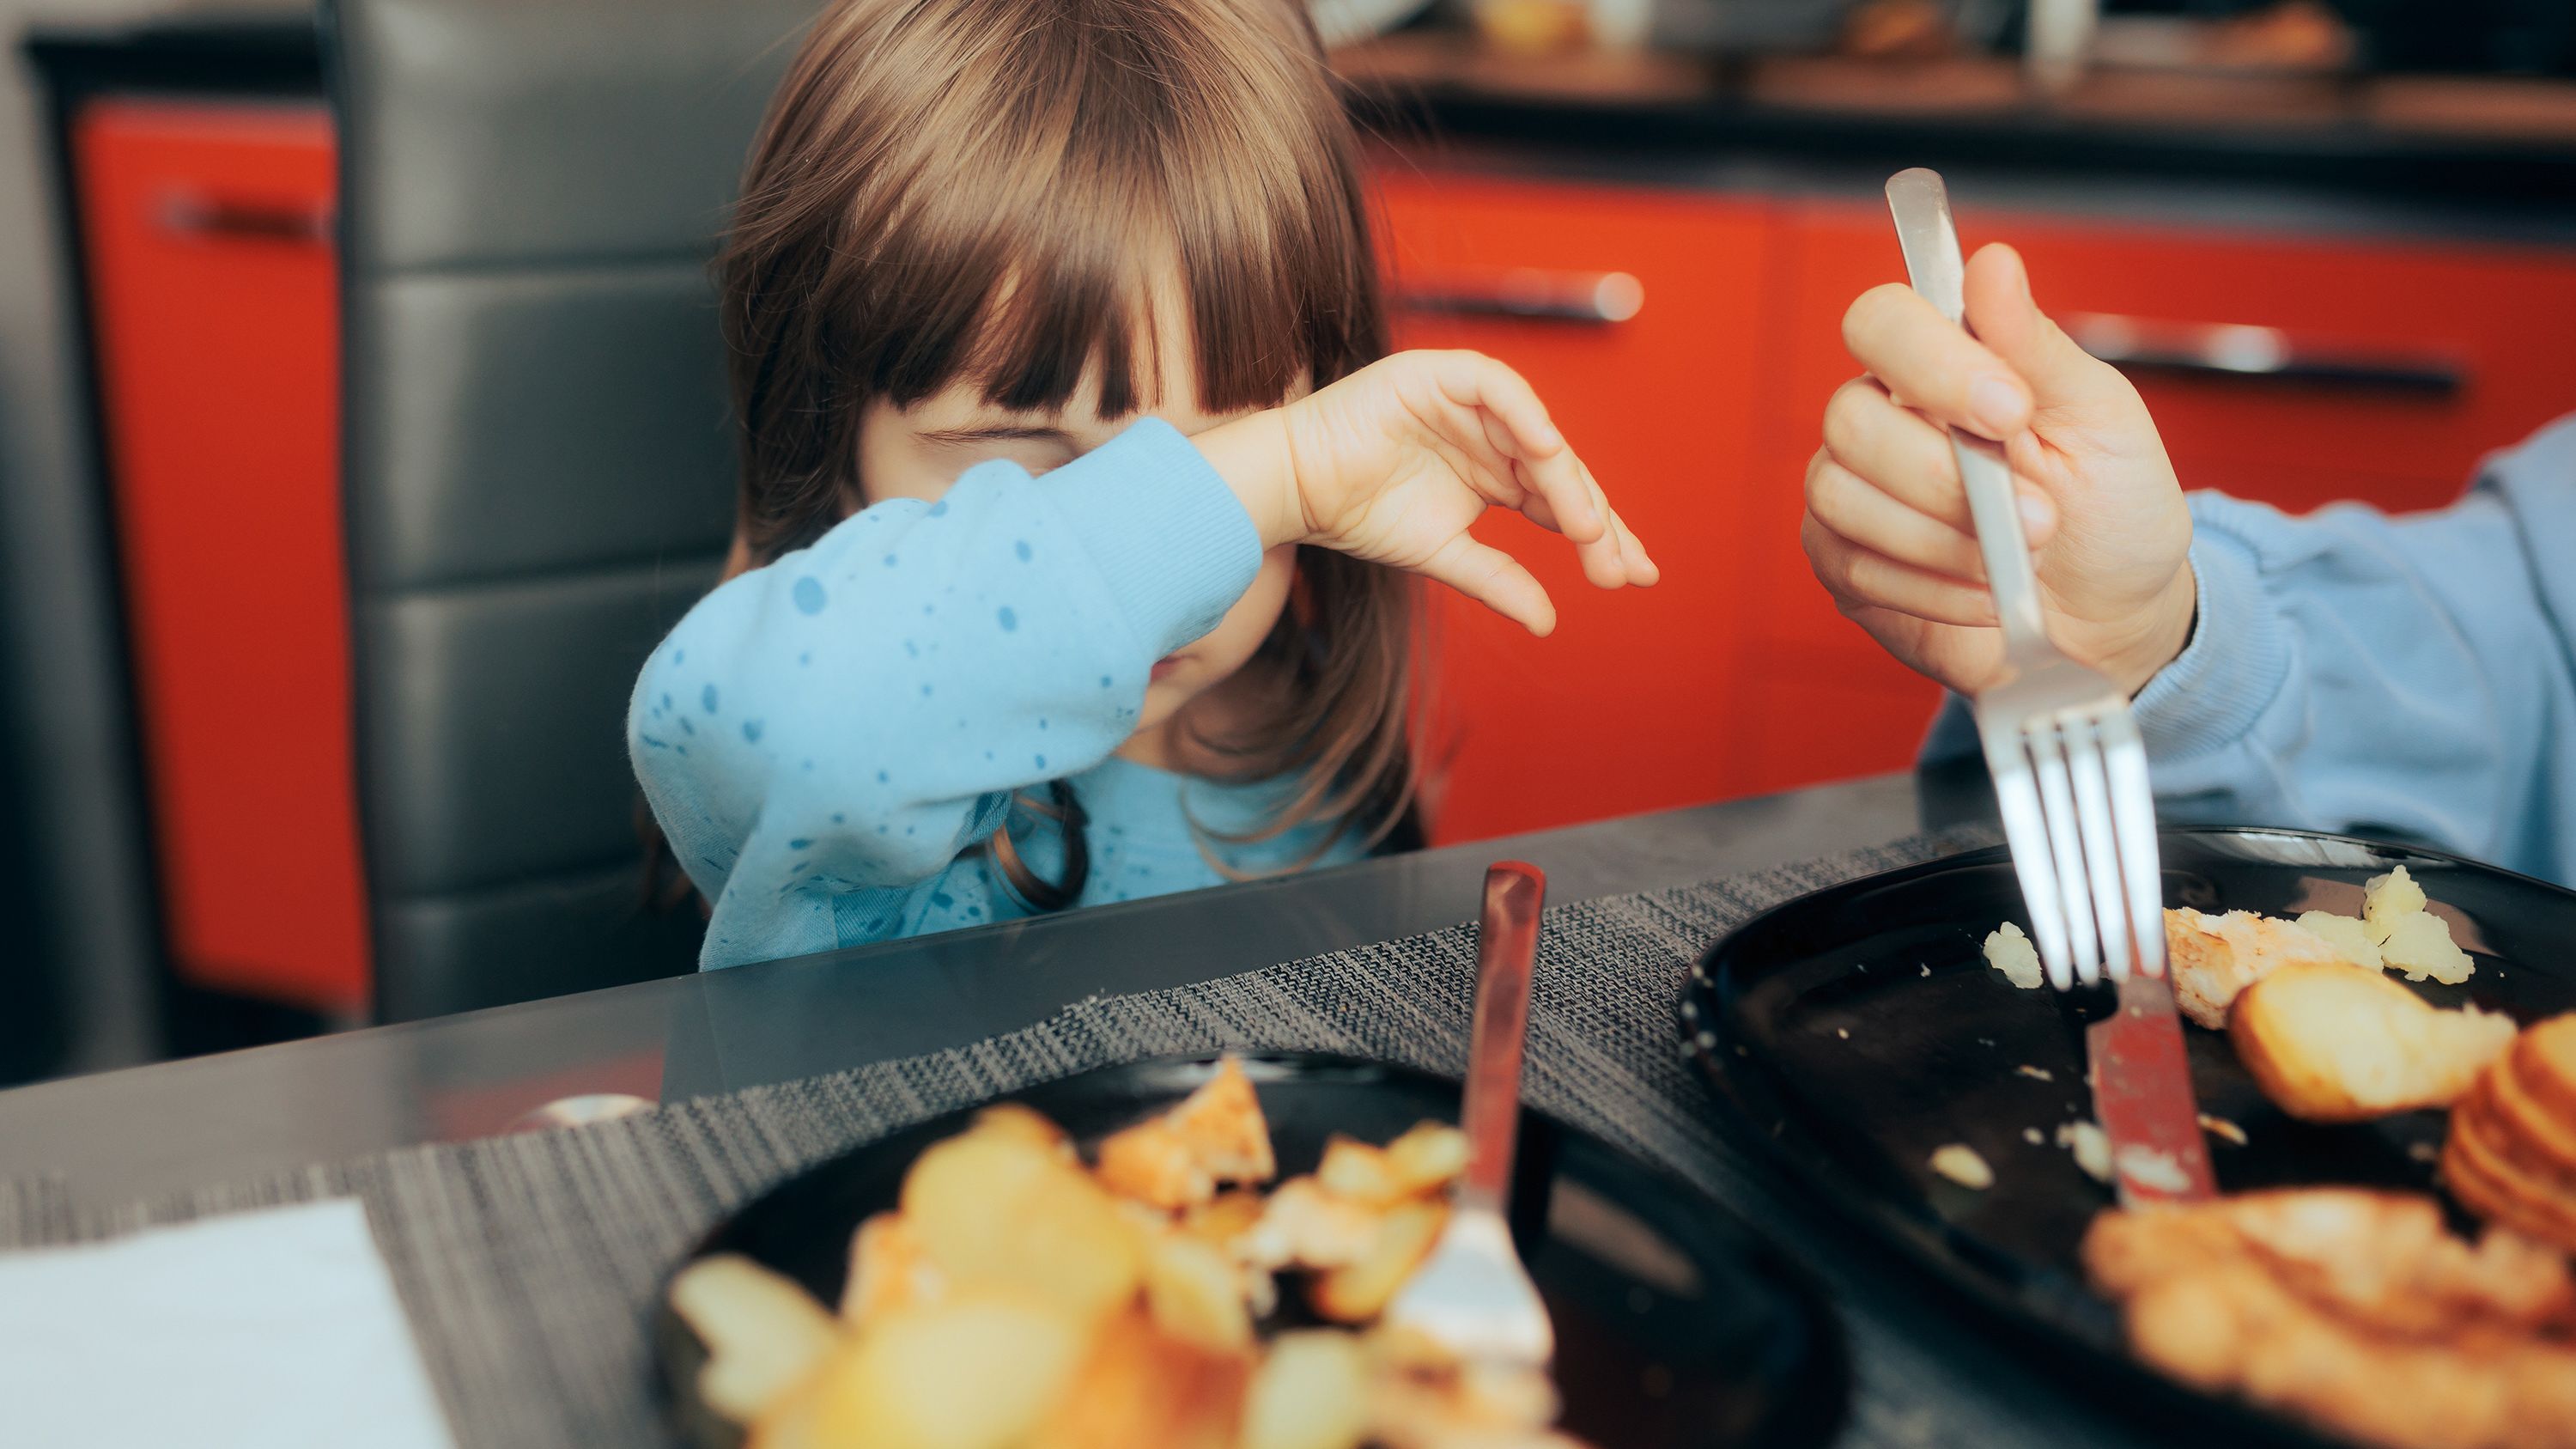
x=1472, y=1296
x=2070, y=771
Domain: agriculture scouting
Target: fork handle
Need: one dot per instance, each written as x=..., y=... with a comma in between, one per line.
x=1921, y=205
x=1506, y=954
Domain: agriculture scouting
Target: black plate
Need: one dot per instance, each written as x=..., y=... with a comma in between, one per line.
x=1859, y=1028
x=1675, y=1326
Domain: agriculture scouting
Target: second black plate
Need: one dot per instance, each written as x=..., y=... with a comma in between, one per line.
x=1675, y=1326
x=1858, y=1029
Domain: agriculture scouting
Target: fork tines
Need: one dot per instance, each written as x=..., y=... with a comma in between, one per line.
x=2071, y=785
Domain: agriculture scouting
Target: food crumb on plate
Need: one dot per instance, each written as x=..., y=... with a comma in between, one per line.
x=2091, y=1146
x=2036, y=1074
x=2034, y=1136
x=1927, y=970
x=2222, y=1128
x=1961, y=1164
x=2010, y=952
x=1844, y=1032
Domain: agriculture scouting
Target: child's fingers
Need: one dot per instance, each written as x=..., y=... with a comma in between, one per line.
x=1603, y=561
x=1641, y=568
x=1495, y=579
x=1527, y=436
x=1846, y=504
x=1642, y=571
x=1932, y=363
x=1859, y=576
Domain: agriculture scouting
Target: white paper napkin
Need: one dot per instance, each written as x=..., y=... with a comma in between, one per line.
x=275, y=1328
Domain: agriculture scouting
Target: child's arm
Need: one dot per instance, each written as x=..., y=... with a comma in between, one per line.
x=853, y=716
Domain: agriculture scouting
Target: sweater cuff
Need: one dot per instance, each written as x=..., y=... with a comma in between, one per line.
x=2235, y=665
x=1169, y=537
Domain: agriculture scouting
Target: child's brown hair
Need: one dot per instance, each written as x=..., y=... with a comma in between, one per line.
x=986, y=190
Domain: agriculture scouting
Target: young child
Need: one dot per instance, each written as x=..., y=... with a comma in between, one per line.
x=1076, y=516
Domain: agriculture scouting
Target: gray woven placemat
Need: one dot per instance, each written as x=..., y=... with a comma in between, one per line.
x=527, y=1263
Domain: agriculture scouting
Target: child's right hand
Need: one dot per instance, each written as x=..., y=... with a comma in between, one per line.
x=1393, y=462
x=1887, y=525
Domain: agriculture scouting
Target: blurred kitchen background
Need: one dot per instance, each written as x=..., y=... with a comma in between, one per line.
x=2334, y=240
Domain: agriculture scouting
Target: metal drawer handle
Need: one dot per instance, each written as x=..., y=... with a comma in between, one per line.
x=223, y=218
x=1597, y=298
x=2247, y=353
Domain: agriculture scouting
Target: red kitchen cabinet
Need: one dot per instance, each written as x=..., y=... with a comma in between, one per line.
x=214, y=314
x=1629, y=705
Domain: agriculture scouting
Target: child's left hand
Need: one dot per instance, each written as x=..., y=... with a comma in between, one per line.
x=1393, y=462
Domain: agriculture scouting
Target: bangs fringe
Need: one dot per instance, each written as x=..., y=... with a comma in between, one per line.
x=1003, y=192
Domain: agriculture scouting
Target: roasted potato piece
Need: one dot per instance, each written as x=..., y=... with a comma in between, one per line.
x=1307, y=1227
x=1360, y=1291
x=1067, y=1240
x=1215, y=1137
x=1311, y=1392
x=961, y=1195
x=1194, y=1294
x=980, y=1370
x=998, y=1207
x=1428, y=1157
x=1223, y=1220
x=1138, y=1389
x=1223, y=1127
x=1152, y=1163
x=1017, y=1120
x=764, y=1333
x=888, y=1269
x=2215, y=957
x=2333, y=1042
x=1358, y=1172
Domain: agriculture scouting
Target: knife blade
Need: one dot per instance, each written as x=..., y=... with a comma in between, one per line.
x=2142, y=1096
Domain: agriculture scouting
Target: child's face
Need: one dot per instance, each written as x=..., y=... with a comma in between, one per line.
x=917, y=452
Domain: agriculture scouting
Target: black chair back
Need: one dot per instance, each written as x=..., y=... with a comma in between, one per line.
x=538, y=472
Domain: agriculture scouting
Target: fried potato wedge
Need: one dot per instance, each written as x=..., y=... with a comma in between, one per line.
x=1152, y=1163
x=2333, y=1042
x=889, y=1269
x=1015, y=1120
x=1359, y=1172
x=1307, y=1227
x=1311, y=1392
x=1140, y=1389
x=979, y=1370
x=1361, y=1290
x=1223, y=1221
x=1428, y=1157
x=1195, y=1294
x=764, y=1333
x=961, y=1196
x=1222, y=1125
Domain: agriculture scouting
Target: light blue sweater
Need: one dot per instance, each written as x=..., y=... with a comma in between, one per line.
x=2351, y=671
x=827, y=740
